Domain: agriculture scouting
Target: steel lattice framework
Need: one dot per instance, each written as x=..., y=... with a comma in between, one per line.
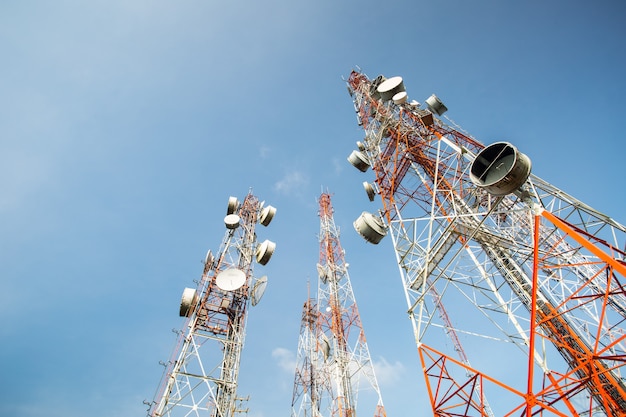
x=536, y=270
x=201, y=377
x=333, y=356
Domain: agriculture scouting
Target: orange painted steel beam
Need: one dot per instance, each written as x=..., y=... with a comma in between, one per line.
x=585, y=361
x=564, y=226
x=532, y=402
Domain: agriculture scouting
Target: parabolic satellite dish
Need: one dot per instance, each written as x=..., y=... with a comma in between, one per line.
x=258, y=290
x=230, y=279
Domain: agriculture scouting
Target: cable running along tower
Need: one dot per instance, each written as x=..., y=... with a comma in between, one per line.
x=201, y=377
x=498, y=266
x=333, y=359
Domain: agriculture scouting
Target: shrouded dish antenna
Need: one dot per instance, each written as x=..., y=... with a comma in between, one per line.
x=360, y=146
x=369, y=189
x=325, y=345
x=370, y=227
x=264, y=251
x=188, y=302
x=209, y=259
x=231, y=221
x=230, y=279
x=390, y=87
x=267, y=214
x=435, y=105
x=359, y=161
x=400, y=98
x=500, y=169
x=322, y=273
x=258, y=290
x=233, y=203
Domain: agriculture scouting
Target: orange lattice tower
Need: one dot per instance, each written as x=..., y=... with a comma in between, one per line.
x=333, y=357
x=531, y=278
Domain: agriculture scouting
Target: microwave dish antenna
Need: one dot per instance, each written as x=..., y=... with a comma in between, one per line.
x=232, y=221
x=233, y=203
x=188, y=302
x=230, y=279
x=359, y=161
x=267, y=214
x=258, y=290
x=265, y=251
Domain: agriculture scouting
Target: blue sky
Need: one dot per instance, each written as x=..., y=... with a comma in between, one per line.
x=126, y=125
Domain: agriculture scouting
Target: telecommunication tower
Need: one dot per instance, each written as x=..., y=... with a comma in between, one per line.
x=333, y=356
x=518, y=260
x=201, y=377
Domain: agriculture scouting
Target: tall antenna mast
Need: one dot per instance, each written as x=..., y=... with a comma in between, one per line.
x=526, y=264
x=201, y=377
x=333, y=356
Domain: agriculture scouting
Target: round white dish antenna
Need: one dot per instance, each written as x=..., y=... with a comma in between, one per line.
x=360, y=145
x=369, y=190
x=188, y=302
x=370, y=227
x=325, y=346
x=322, y=273
x=390, y=87
x=209, y=258
x=359, y=161
x=400, y=98
x=231, y=221
x=267, y=214
x=230, y=279
x=264, y=251
x=233, y=203
x=258, y=290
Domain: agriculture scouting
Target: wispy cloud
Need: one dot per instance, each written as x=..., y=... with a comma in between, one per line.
x=388, y=373
x=292, y=181
x=285, y=359
x=338, y=164
x=264, y=151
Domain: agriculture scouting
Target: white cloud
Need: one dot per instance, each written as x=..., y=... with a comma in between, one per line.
x=291, y=182
x=264, y=151
x=338, y=164
x=388, y=373
x=285, y=358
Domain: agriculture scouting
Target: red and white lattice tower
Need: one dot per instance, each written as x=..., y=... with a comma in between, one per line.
x=529, y=279
x=201, y=377
x=333, y=363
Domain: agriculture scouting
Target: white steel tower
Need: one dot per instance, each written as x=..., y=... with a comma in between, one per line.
x=334, y=362
x=528, y=278
x=311, y=381
x=201, y=377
